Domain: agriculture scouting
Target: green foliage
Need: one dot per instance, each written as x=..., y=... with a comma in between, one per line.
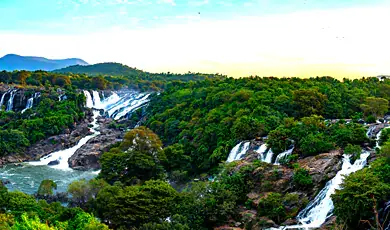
x=384, y=137
x=374, y=106
x=134, y=206
x=46, y=188
x=51, y=117
x=83, y=192
x=353, y=150
x=356, y=201
x=138, y=158
x=272, y=207
x=302, y=178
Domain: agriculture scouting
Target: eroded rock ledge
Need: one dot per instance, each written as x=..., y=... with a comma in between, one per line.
x=87, y=157
x=52, y=144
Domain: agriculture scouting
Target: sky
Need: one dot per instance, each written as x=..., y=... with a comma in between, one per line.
x=239, y=38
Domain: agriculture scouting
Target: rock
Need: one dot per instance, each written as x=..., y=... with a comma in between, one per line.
x=322, y=167
x=55, y=162
x=329, y=224
x=263, y=223
x=87, y=157
x=289, y=222
x=52, y=144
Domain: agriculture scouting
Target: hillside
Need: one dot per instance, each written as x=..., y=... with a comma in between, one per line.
x=11, y=62
x=110, y=68
x=129, y=73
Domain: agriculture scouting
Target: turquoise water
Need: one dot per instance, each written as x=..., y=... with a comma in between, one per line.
x=27, y=178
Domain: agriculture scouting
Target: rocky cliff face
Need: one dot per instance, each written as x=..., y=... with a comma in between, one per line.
x=268, y=178
x=21, y=96
x=87, y=157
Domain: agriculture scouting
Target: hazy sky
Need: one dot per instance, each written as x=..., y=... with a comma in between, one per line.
x=235, y=37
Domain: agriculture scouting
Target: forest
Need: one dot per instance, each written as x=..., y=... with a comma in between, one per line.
x=171, y=172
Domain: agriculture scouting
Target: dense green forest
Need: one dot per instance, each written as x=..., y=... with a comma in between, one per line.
x=188, y=132
x=50, y=117
x=205, y=119
x=104, y=76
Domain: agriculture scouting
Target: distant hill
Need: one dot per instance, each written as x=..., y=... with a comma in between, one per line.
x=110, y=68
x=11, y=62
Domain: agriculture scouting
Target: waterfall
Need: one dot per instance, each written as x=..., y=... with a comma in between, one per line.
x=319, y=209
x=2, y=100
x=261, y=151
x=88, y=96
x=378, y=136
x=269, y=156
x=111, y=100
x=370, y=130
x=122, y=103
x=29, y=105
x=238, y=151
x=63, y=155
x=136, y=104
x=10, y=103
x=96, y=100
x=283, y=155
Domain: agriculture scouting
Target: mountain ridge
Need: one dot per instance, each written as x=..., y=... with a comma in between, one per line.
x=11, y=62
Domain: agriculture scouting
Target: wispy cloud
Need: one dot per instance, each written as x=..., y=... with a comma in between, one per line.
x=171, y=2
x=198, y=2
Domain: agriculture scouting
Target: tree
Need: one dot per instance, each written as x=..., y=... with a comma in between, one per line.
x=309, y=102
x=83, y=191
x=138, y=158
x=375, y=106
x=133, y=206
x=358, y=197
x=46, y=188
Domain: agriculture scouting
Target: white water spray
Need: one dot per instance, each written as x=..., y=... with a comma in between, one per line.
x=63, y=155
x=283, y=156
x=2, y=100
x=238, y=151
x=89, y=101
x=10, y=103
x=29, y=105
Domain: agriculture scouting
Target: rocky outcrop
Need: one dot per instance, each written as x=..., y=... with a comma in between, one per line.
x=268, y=178
x=322, y=167
x=21, y=96
x=52, y=144
x=87, y=157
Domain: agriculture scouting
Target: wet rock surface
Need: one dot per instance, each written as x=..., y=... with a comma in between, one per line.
x=87, y=157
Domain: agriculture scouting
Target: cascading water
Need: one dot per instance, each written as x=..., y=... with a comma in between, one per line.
x=136, y=104
x=28, y=176
x=283, y=155
x=89, y=102
x=10, y=103
x=29, y=105
x=63, y=155
x=238, y=151
x=319, y=209
x=261, y=151
x=269, y=156
x=97, y=103
x=2, y=100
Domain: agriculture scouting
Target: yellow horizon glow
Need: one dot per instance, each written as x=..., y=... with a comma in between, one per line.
x=339, y=43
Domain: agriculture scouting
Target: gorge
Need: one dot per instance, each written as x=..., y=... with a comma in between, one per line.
x=26, y=177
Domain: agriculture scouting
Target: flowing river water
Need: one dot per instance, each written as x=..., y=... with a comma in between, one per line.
x=26, y=177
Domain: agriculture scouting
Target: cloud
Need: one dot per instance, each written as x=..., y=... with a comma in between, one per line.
x=330, y=42
x=171, y=2
x=198, y=2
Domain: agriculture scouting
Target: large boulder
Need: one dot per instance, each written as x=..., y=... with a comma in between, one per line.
x=87, y=157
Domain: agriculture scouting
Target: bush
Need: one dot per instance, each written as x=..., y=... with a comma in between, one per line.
x=301, y=178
